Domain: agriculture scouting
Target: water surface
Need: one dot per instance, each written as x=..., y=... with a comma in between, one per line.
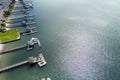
x=80, y=41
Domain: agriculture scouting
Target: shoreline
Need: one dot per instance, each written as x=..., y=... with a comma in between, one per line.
x=2, y=45
x=1, y=48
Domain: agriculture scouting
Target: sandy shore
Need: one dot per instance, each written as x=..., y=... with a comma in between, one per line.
x=1, y=48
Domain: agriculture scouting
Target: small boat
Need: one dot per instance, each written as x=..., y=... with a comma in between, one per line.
x=48, y=78
x=41, y=61
x=41, y=64
x=43, y=79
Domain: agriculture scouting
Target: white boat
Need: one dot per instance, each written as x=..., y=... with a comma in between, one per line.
x=48, y=78
x=41, y=64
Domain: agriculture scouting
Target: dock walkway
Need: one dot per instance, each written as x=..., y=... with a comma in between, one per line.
x=13, y=66
x=20, y=17
x=13, y=49
x=40, y=60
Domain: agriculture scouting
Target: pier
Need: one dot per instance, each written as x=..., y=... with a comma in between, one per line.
x=20, y=20
x=32, y=60
x=13, y=49
x=29, y=46
x=28, y=33
x=29, y=30
x=15, y=18
x=25, y=23
x=13, y=66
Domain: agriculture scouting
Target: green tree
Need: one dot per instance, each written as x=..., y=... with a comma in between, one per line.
x=6, y=13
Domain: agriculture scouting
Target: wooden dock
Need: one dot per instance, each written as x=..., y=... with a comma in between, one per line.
x=31, y=60
x=29, y=46
x=42, y=57
x=13, y=66
x=42, y=62
x=29, y=31
x=30, y=23
x=16, y=18
x=13, y=49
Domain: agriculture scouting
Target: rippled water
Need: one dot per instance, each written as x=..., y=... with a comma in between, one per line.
x=80, y=41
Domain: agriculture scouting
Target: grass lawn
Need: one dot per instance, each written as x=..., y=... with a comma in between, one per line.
x=9, y=35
